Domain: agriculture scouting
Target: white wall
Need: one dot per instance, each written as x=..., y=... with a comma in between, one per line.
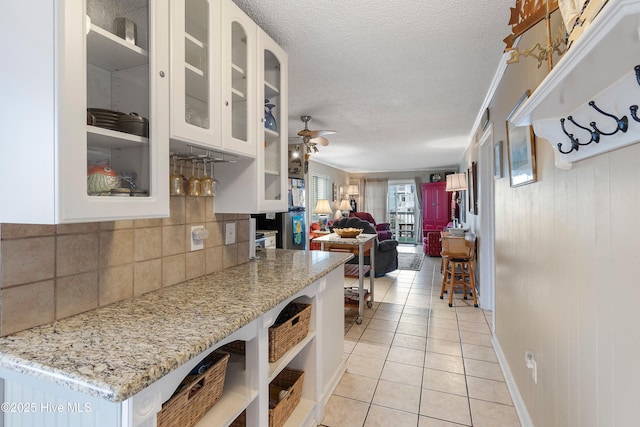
x=568, y=279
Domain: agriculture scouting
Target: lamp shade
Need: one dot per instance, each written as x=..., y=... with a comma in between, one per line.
x=322, y=207
x=456, y=182
x=353, y=190
x=345, y=206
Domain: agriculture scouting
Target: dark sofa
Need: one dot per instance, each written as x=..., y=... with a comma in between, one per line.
x=386, y=251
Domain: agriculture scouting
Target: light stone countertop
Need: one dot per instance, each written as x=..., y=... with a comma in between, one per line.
x=116, y=351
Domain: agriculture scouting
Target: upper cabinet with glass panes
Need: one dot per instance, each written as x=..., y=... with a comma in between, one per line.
x=88, y=121
x=213, y=77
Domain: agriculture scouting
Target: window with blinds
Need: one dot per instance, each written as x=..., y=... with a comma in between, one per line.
x=320, y=189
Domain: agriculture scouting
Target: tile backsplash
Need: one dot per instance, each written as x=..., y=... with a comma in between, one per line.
x=49, y=272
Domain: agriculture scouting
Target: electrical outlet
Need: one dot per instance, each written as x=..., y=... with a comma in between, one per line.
x=198, y=234
x=229, y=233
x=531, y=363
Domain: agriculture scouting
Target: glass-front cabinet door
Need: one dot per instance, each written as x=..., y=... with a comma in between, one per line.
x=272, y=155
x=96, y=147
x=238, y=81
x=195, y=65
x=123, y=133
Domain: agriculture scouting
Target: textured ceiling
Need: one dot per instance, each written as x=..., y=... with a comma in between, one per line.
x=401, y=82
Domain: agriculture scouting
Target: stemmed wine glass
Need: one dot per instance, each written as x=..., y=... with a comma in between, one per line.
x=194, y=181
x=206, y=184
x=176, y=182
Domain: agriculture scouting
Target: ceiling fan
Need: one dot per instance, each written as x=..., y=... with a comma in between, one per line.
x=311, y=139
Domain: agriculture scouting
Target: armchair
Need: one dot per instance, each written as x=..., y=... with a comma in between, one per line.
x=384, y=233
x=386, y=251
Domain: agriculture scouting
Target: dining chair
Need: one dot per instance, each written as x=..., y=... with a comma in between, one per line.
x=458, y=266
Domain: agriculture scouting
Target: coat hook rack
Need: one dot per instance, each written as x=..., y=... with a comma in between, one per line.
x=634, y=113
x=575, y=144
x=622, y=123
x=595, y=135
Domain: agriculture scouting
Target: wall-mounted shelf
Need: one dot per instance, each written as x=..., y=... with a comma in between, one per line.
x=599, y=67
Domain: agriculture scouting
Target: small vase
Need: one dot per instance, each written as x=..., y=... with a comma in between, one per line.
x=269, y=120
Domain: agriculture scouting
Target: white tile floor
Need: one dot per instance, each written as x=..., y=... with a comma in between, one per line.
x=414, y=361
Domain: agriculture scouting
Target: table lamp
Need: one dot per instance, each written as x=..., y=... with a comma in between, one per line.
x=344, y=208
x=323, y=209
x=455, y=182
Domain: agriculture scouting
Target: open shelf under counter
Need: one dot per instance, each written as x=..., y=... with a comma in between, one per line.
x=303, y=414
x=276, y=367
x=107, y=138
x=108, y=51
x=236, y=394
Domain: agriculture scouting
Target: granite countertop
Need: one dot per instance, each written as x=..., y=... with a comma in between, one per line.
x=116, y=351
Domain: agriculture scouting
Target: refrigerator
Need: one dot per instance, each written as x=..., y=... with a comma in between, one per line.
x=291, y=225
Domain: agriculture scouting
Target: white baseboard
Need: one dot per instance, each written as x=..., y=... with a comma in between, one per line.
x=329, y=389
x=516, y=397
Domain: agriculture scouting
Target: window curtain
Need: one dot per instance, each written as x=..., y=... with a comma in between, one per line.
x=418, y=209
x=375, y=198
x=319, y=190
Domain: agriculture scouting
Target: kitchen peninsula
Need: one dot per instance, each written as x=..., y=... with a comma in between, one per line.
x=116, y=365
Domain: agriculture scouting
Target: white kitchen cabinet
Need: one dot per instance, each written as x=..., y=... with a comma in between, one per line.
x=212, y=63
x=60, y=61
x=260, y=184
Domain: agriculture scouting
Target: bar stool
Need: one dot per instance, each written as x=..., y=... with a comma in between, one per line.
x=458, y=268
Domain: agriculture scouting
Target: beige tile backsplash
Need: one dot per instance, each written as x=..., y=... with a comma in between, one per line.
x=50, y=272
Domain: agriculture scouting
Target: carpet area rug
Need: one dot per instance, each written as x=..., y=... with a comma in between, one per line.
x=408, y=261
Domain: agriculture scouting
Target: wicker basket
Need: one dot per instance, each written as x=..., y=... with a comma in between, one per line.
x=195, y=395
x=240, y=421
x=237, y=347
x=289, y=333
x=281, y=409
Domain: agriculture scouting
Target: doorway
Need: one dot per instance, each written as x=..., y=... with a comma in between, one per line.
x=486, y=239
x=404, y=211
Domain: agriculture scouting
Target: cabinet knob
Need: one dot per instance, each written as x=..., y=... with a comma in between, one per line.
x=226, y=103
x=162, y=74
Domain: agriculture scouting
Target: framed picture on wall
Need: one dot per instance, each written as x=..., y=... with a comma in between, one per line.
x=470, y=192
x=497, y=160
x=521, y=150
x=474, y=186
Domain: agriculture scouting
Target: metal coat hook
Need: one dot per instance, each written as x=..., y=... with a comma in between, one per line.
x=575, y=144
x=637, y=69
x=622, y=124
x=595, y=135
x=634, y=113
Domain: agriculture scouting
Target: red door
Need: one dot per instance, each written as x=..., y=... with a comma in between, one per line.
x=436, y=206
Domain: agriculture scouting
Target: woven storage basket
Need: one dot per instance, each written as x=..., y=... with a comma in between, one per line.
x=289, y=333
x=237, y=347
x=196, y=395
x=240, y=421
x=290, y=379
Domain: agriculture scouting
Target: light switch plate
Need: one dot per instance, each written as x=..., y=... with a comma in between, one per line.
x=229, y=233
